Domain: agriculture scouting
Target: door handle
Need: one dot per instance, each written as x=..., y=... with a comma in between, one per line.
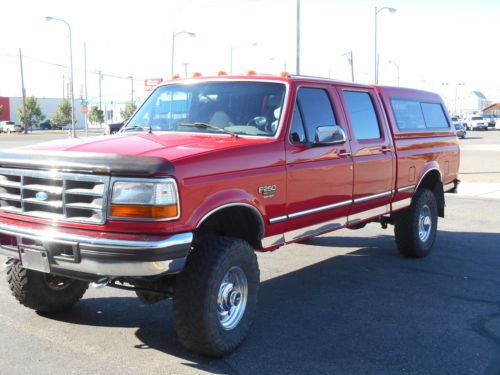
x=386, y=149
x=345, y=153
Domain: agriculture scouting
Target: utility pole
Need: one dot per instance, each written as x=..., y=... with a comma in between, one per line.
x=298, y=39
x=24, y=92
x=397, y=70
x=64, y=87
x=131, y=88
x=86, y=92
x=185, y=69
x=231, y=60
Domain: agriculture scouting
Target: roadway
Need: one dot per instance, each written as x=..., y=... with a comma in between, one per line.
x=343, y=303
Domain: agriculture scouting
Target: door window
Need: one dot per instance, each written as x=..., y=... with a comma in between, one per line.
x=364, y=119
x=316, y=110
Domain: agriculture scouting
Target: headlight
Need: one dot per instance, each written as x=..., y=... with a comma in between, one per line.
x=155, y=200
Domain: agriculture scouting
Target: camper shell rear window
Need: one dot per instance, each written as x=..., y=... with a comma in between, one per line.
x=419, y=115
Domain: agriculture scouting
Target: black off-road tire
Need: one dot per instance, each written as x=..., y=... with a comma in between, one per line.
x=407, y=223
x=197, y=287
x=33, y=289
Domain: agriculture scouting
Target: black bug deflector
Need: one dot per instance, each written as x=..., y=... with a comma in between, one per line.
x=86, y=162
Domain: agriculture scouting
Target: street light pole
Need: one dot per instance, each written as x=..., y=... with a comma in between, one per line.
x=377, y=11
x=397, y=69
x=232, y=52
x=73, y=134
x=175, y=35
x=298, y=39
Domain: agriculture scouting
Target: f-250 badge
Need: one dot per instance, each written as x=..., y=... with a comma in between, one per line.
x=267, y=191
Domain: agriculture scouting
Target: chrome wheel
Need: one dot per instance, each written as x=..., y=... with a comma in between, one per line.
x=232, y=298
x=424, y=223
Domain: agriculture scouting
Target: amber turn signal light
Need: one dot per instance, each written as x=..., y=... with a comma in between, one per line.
x=144, y=212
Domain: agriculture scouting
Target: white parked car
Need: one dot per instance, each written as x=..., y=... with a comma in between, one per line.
x=10, y=127
x=476, y=122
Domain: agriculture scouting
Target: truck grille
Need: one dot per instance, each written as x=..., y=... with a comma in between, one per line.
x=54, y=195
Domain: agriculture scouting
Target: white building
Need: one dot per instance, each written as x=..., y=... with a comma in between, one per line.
x=48, y=107
x=472, y=102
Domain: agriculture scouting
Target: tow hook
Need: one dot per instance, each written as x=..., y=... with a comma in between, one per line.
x=101, y=283
x=9, y=263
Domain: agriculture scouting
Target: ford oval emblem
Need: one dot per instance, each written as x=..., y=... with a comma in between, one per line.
x=41, y=196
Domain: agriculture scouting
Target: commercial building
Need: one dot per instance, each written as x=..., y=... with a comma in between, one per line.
x=111, y=109
x=47, y=105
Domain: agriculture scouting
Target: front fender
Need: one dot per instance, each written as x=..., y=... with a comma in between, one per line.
x=223, y=199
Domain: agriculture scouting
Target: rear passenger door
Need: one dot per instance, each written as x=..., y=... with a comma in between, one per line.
x=319, y=177
x=372, y=152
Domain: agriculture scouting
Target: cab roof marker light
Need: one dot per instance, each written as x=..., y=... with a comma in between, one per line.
x=176, y=76
x=222, y=73
x=250, y=72
x=284, y=74
x=196, y=75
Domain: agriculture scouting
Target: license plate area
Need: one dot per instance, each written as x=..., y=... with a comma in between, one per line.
x=34, y=259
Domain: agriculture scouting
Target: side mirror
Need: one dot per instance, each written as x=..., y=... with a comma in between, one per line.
x=329, y=135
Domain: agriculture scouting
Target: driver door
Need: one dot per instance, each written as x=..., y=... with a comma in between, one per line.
x=319, y=177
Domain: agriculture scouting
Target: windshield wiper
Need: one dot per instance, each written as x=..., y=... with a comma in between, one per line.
x=142, y=127
x=203, y=125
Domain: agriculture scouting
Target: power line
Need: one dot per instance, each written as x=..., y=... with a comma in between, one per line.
x=40, y=61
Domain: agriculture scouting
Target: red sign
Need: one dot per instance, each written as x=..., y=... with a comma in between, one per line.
x=151, y=83
x=5, y=102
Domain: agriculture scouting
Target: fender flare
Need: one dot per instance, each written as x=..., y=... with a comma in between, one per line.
x=226, y=199
x=433, y=166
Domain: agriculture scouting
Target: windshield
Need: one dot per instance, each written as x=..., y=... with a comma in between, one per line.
x=247, y=108
x=477, y=118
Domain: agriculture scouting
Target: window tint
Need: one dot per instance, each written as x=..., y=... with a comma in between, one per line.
x=408, y=114
x=316, y=110
x=434, y=115
x=297, y=133
x=416, y=115
x=363, y=116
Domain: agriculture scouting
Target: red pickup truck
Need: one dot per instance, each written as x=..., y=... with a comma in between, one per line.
x=206, y=172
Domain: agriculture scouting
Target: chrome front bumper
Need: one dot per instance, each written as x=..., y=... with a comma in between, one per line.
x=97, y=254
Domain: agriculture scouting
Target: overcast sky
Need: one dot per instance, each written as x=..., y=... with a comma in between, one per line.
x=433, y=41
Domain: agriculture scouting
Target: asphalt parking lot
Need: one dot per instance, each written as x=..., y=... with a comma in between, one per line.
x=343, y=303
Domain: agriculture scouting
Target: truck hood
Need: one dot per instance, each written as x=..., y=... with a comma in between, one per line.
x=170, y=146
